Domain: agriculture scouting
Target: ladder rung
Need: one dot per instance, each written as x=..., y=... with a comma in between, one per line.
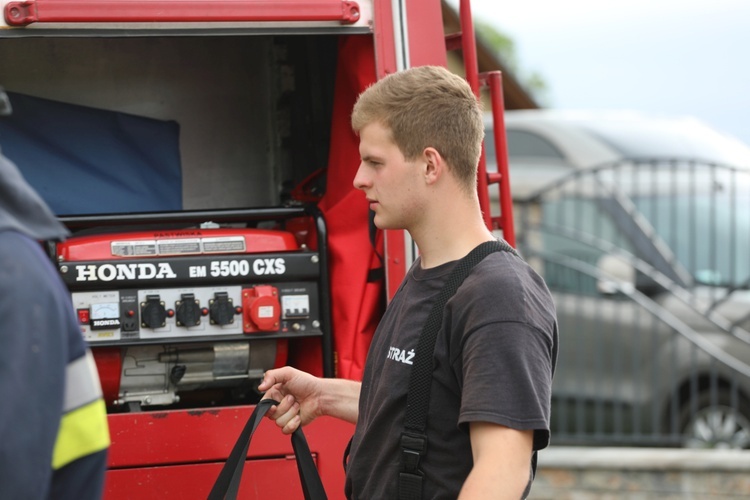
x=453, y=41
x=494, y=177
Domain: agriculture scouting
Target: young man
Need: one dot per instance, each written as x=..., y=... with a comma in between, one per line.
x=420, y=137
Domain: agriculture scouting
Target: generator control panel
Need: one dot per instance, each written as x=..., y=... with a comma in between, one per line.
x=154, y=287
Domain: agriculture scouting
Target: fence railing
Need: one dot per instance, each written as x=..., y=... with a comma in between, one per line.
x=649, y=265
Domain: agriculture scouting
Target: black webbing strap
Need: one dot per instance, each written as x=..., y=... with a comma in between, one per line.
x=413, y=438
x=228, y=482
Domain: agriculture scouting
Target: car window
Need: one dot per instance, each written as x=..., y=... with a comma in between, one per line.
x=522, y=144
x=577, y=228
x=527, y=144
x=705, y=233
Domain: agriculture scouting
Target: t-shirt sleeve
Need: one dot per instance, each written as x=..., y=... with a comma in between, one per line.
x=506, y=375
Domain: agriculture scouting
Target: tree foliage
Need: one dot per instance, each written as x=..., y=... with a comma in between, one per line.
x=505, y=49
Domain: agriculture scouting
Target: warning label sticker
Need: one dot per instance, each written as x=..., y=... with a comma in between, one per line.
x=179, y=247
x=133, y=248
x=189, y=246
x=226, y=244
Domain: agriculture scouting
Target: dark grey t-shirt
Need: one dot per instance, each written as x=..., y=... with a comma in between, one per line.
x=493, y=364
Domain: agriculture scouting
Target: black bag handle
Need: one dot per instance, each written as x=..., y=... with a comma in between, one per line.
x=228, y=482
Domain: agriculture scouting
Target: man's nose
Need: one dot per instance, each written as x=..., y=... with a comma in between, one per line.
x=360, y=178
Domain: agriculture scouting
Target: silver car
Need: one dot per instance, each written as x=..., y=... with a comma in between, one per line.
x=640, y=226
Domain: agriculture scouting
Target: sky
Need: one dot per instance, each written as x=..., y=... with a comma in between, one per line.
x=675, y=57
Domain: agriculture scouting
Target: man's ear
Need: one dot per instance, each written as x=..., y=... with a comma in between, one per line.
x=435, y=165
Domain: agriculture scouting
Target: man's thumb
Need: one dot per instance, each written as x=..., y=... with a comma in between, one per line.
x=273, y=377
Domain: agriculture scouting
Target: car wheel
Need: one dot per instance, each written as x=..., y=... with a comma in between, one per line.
x=716, y=424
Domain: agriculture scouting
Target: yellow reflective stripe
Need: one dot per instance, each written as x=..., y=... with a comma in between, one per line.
x=82, y=432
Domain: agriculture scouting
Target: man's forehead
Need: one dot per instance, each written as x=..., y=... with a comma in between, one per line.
x=377, y=129
x=377, y=145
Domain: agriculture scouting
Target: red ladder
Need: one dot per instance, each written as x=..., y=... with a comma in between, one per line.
x=465, y=41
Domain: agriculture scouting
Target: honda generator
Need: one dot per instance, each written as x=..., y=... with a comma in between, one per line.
x=186, y=311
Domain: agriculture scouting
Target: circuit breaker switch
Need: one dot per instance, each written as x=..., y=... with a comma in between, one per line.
x=295, y=306
x=261, y=310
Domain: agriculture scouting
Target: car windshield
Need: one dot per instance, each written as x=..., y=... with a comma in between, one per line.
x=709, y=236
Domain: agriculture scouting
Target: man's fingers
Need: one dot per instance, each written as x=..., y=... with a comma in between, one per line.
x=286, y=420
x=286, y=405
x=274, y=393
x=292, y=426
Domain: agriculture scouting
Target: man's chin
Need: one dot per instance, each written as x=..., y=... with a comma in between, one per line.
x=385, y=225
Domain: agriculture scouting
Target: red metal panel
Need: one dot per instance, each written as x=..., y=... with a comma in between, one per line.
x=383, y=33
x=261, y=479
x=149, y=440
x=90, y=11
x=426, y=37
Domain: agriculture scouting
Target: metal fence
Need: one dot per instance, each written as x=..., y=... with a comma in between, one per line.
x=649, y=265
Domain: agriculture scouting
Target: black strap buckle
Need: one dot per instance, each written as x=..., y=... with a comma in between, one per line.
x=413, y=446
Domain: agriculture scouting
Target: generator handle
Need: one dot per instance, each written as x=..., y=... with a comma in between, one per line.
x=223, y=215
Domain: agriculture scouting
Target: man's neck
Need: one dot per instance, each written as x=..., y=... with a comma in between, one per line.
x=450, y=232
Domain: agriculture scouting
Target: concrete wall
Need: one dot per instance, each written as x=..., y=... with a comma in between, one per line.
x=641, y=473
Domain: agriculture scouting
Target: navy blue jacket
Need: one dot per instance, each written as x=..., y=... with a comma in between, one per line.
x=39, y=339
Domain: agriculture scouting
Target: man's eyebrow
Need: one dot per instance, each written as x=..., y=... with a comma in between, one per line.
x=370, y=157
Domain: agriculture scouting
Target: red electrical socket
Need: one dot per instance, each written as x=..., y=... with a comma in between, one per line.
x=261, y=311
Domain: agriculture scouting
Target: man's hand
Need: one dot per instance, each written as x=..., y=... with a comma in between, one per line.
x=298, y=394
x=303, y=398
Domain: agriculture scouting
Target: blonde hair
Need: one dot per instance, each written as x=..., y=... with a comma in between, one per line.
x=427, y=106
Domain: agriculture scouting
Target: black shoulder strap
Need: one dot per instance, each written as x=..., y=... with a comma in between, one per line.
x=228, y=483
x=413, y=438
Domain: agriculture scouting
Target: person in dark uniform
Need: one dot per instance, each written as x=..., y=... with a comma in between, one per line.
x=53, y=424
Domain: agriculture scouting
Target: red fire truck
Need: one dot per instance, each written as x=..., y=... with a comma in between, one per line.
x=201, y=155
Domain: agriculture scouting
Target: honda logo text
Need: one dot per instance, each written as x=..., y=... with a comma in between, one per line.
x=122, y=272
